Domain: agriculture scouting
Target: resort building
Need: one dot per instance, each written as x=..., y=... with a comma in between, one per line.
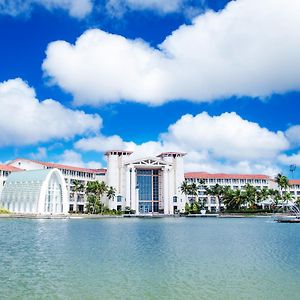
x=295, y=188
x=234, y=181
x=146, y=185
x=36, y=192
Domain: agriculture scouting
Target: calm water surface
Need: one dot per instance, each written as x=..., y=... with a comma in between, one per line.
x=176, y=258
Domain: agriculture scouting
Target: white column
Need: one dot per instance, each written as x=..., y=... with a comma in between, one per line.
x=137, y=202
x=128, y=185
x=166, y=191
x=134, y=193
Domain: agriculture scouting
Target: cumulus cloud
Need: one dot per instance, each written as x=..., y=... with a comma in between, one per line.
x=250, y=48
x=293, y=159
x=73, y=158
x=225, y=143
x=103, y=143
x=75, y=8
x=293, y=135
x=25, y=120
x=226, y=136
x=40, y=154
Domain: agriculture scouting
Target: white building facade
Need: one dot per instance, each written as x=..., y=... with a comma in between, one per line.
x=148, y=185
x=234, y=181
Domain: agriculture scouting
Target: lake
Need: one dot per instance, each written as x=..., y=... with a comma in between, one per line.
x=165, y=258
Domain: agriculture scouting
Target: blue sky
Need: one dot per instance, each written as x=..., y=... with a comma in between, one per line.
x=215, y=79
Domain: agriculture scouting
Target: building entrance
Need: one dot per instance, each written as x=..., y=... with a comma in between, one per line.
x=148, y=185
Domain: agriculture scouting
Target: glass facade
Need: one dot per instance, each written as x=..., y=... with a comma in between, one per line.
x=148, y=185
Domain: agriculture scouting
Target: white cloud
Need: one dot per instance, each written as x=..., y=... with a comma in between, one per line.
x=76, y=8
x=102, y=143
x=250, y=48
x=226, y=136
x=119, y=7
x=25, y=120
x=293, y=135
x=73, y=158
x=293, y=159
x=225, y=143
x=41, y=154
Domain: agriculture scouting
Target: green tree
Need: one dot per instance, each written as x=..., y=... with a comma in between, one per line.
x=95, y=191
x=185, y=188
x=187, y=208
x=111, y=193
x=195, y=208
x=287, y=197
x=229, y=198
x=216, y=191
x=263, y=194
x=238, y=199
x=282, y=182
x=275, y=195
x=194, y=191
x=250, y=194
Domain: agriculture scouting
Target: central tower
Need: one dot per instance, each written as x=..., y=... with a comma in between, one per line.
x=116, y=160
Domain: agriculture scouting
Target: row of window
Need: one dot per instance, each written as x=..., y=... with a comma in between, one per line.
x=72, y=173
x=228, y=181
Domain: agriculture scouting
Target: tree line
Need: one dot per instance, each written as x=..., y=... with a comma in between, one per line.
x=235, y=199
x=94, y=192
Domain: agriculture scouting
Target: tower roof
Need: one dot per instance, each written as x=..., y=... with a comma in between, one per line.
x=171, y=154
x=118, y=152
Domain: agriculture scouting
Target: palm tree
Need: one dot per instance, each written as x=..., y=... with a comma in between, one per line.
x=275, y=195
x=111, y=193
x=96, y=190
x=194, y=191
x=262, y=194
x=239, y=198
x=283, y=184
x=228, y=198
x=185, y=188
x=202, y=182
x=216, y=191
x=77, y=188
x=250, y=193
x=287, y=197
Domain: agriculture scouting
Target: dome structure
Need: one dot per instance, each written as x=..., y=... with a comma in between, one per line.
x=36, y=192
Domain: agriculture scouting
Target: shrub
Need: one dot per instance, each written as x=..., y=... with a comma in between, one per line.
x=4, y=211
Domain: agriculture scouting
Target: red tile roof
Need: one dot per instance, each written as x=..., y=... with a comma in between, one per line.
x=9, y=168
x=205, y=175
x=294, y=181
x=60, y=166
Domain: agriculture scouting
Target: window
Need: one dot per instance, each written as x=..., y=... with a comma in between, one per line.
x=175, y=199
x=119, y=198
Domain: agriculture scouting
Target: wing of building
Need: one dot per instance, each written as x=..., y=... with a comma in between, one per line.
x=234, y=181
